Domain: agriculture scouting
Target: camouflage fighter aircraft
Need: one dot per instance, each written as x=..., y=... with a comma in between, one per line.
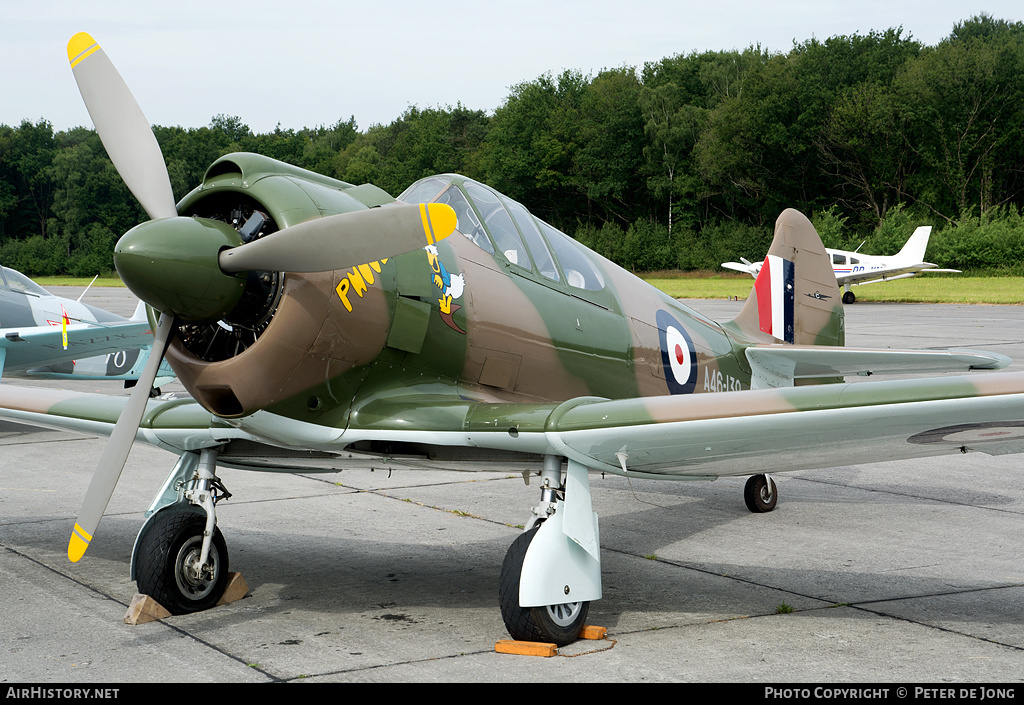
x=45, y=335
x=323, y=326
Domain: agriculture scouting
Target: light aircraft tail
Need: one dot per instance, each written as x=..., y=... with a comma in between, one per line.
x=913, y=250
x=140, y=313
x=795, y=298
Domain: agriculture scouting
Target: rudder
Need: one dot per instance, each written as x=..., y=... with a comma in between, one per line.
x=914, y=248
x=795, y=298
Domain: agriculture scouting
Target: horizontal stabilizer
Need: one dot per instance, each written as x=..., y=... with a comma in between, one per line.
x=751, y=268
x=780, y=365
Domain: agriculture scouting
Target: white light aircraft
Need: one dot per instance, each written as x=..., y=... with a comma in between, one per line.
x=855, y=268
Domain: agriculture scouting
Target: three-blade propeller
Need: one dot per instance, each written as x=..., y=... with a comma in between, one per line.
x=324, y=244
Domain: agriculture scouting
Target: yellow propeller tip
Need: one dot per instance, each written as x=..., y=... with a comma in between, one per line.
x=77, y=545
x=439, y=221
x=80, y=46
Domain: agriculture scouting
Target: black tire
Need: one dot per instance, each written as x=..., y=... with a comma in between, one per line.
x=558, y=624
x=172, y=539
x=759, y=496
x=849, y=297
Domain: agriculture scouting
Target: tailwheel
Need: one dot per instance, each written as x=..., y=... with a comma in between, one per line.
x=168, y=563
x=760, y=494
x=558, y=624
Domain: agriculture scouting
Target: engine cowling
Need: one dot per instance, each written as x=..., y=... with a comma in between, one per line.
x=261, y=347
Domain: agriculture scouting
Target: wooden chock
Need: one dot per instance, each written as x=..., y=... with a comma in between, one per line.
x=236, y=589
x=526, y=648
x=593, y=632
x=144, y=608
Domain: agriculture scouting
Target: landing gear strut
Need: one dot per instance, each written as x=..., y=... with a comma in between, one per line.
x=181, y=558
x=552, y=571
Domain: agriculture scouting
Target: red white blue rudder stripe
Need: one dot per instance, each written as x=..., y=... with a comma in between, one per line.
x=776, y=296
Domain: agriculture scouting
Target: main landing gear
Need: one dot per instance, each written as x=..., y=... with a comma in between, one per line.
x=849, y=297
x=180, y=557
x=552, y=571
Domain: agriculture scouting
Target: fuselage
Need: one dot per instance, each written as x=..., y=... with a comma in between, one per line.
x=506, y=309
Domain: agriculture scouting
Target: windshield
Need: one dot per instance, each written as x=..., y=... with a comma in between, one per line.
x=424, y=190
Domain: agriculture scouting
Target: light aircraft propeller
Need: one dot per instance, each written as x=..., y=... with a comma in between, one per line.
x=188, y=268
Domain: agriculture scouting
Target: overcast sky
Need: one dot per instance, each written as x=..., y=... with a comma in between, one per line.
x=304, y=63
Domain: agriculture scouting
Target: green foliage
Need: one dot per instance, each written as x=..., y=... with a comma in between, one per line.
x=684, y=162
x=647, y=247
x=993, y=242
x=831, y=227
x=418, y=144
x=892, y=232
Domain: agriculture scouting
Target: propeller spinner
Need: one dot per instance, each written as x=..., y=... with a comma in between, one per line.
x=192, y=268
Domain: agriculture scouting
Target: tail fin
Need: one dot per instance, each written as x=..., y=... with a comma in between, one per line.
x=795, y=298
x=913, y=250
x=140, y=312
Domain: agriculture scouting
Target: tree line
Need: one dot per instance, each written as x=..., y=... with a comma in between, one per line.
x=682, y=163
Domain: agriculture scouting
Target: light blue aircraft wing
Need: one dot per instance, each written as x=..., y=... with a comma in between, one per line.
x=38, y=346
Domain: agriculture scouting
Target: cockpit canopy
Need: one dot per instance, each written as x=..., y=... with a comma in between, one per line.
x=16, y=281
x=506, y=229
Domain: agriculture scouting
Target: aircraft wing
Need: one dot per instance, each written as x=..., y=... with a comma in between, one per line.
x=878, y=275
x=171, y=423
x=796, y=428
x=35, y=346
x=699, y=436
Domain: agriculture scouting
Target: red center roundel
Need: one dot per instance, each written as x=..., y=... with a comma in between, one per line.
x=680, y=355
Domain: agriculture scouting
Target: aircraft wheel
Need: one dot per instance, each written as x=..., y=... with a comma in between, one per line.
x=849, y=297
x=760, y=494
x=167, y=557
x=559, y=624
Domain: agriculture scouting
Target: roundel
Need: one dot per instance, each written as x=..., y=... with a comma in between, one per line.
x=972, y=433
x=677, y=354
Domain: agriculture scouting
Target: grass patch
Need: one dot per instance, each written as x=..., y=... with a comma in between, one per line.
x=930, y=288
x=103, y=280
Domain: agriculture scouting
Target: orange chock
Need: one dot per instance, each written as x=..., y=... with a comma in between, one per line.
x=526, y=648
